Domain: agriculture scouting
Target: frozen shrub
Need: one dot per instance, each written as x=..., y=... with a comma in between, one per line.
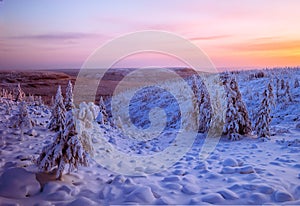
x=30, y=99
x=21, y=120
x=10, y=96
x=40, y=101
x=4, y=93
x=20, y=95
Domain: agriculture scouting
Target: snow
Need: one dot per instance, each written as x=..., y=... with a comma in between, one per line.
x=18, y=183
x=248, y=171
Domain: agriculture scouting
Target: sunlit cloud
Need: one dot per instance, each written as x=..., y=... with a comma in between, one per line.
x=201, y=38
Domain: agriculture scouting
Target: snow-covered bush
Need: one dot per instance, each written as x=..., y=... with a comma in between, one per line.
x=30, y=99
x=58, y=112
x=263, y=121
x=237, y=120
x=65, y=150
x=20, y=95
x=10, y=96
x=21, y=120
x=69, y=103
x=39, y=101
x=4, y=93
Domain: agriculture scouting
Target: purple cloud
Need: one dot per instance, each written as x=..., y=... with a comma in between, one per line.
x=58, y=36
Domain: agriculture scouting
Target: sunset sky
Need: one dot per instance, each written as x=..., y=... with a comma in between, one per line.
x=37, y=34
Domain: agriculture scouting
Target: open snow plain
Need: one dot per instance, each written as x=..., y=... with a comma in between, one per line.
x=248, y=171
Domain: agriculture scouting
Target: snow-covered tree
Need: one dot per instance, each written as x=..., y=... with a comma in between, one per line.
x=288, y=92
x=58, y=112
x=21, y=120
x=102, y=117
x=204, y=110
x=20, y=95
x=203, y=103
x=85, y=117
x=271, y=94
x=65, y=150
x=282, y=84
x=195, y=88
x=69, y=103
x=262, y=124
x=237, y=121
x=277, y=87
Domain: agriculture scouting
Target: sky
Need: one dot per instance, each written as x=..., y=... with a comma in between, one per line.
x=41, y=34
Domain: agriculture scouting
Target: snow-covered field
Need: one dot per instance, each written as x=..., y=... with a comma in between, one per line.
x=248, y=171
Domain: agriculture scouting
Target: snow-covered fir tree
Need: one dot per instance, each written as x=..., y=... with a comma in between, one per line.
x=271, y=94
x=262, y=124
x=288, y=92
x=277, y=87
x=21, y=120
x=65, y=150
x=69, y=103
x=237, y=120
x=58, y=112
x=102, y=117
x=20, y=95
x=195, y=88
x=203, y=103
x=282, y=86
x=204, y=110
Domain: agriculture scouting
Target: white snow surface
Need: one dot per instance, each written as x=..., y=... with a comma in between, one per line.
x=248, y=171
